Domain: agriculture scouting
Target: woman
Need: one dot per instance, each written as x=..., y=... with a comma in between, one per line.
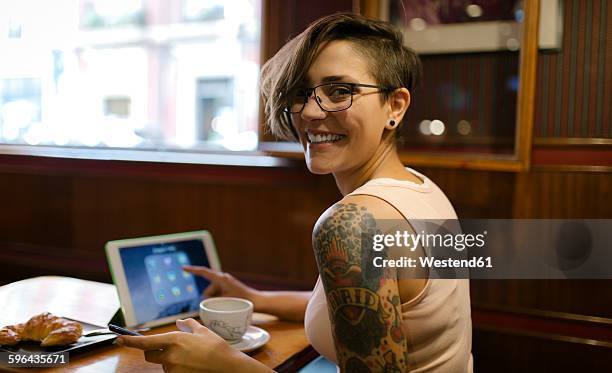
x=341, y=88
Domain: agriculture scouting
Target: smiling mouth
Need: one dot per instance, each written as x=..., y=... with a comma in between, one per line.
x=323, y=138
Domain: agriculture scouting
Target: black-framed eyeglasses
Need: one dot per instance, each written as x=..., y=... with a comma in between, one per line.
x=330, y=97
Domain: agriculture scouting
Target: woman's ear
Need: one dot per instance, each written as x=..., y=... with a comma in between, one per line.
x=398, y=104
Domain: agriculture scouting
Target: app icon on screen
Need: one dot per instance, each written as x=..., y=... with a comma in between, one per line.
x=169, y=283
x=160, y=296
x=151, y=262
x=171, y=276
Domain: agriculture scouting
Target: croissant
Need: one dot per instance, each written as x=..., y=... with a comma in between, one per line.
x=48, y=329
x=11, y=335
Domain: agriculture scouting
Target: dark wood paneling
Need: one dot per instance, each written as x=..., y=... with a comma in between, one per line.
x=499, y=352
x=563, y=195
x=82, y=207
x=75, y=213
x=533, y=195
x=305, y=12
x=557, y=326
x=574, y=84
x=571, y=296
x=58, y=215
x=36, y=209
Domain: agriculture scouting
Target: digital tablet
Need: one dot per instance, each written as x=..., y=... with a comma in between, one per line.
x=153, y=289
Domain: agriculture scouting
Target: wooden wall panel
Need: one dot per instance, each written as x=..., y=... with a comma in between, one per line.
x=506, y=353
x=545, y=194
x=35, y=208
x=538, y=194
x=554, y=194
x=250, y=223
x=262, y=230
x=574, y=84
x=580, y=297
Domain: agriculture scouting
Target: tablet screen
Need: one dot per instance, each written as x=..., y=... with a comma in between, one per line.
x=156, y=282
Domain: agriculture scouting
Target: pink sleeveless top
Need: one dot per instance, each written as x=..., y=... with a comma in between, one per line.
x=437, y=322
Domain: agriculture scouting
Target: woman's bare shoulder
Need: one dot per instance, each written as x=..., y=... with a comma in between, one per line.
x=362, y=204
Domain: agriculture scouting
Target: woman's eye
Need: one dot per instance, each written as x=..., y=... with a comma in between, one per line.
x=340, y=92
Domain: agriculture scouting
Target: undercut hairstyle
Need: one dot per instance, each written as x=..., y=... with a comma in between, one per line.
x=390, y=62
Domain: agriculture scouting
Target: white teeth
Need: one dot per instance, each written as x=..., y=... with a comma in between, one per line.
x=318, y=138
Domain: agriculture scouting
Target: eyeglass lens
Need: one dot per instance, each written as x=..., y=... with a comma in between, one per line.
x=330, y=97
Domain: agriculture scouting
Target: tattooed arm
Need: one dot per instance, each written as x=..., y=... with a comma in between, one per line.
x=363, y=301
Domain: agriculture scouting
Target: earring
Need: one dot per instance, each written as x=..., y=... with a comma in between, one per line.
x=392, y=123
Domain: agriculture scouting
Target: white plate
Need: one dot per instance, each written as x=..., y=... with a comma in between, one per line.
x=251, y=340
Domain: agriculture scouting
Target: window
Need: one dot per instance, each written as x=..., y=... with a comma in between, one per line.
x=130, y=73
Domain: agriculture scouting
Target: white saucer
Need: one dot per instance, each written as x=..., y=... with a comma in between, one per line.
x=251, y=340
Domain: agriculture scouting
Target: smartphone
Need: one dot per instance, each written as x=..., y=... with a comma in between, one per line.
x=122, y=331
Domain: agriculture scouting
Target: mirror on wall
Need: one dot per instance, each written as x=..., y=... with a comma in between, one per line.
x=478, y=56
x=470, y=51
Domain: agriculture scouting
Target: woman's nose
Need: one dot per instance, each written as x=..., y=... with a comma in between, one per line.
x=312, y=110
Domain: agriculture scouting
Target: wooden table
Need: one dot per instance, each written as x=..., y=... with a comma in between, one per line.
x=95, y=303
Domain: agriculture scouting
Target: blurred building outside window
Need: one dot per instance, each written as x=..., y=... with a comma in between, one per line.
x=151, y=74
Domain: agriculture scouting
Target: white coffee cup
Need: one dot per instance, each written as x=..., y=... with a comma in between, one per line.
x=226, y=316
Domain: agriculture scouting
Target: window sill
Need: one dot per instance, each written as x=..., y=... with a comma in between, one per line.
x=244, y=168
x=459, y=160
x=218, y=158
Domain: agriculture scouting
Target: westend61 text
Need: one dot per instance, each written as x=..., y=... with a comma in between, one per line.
x=428, y=262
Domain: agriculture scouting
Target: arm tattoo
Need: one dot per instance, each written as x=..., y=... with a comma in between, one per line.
x=363, y=303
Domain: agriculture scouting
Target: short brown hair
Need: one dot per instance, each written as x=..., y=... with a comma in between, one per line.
x=391, y=63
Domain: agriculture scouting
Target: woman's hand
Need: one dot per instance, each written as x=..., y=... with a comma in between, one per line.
x=195, y=349
x=223, y=284
x=287, y=305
